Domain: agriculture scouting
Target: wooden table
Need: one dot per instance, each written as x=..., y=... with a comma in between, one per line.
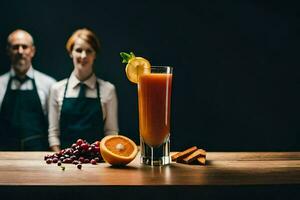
x=226, y=173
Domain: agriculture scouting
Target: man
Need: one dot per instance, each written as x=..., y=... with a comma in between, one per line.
x=23, y=98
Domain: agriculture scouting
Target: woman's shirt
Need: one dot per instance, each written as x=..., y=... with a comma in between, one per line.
x=108, y=100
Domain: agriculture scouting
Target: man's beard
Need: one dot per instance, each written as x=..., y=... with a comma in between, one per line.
x=21, y=66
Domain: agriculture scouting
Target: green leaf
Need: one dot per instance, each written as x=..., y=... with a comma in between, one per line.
x=126, y=57
x=132, y=54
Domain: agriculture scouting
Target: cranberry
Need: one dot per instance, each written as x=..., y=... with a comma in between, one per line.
x=86, y=160
x=97, y=149
x=93, y=162
x=69, y=151
x=75, y=162
x=59, y=163
x=83, y=152
x=74, y=145
x=46, y=157
x=84, y=146
x=97, y=143
x=49, y=161
x=78, y=148
x=67, y=160
x=73, y=157
x=76, y=152
x=79, y=166
x=58, y=154
x=81, y=159
x=55, y=160
x=79, y=142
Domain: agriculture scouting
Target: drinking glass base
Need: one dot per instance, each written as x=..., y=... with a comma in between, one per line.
x=157, y=162
x=155, y=156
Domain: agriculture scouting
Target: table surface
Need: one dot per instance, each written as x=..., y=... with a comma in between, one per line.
x=222, y=168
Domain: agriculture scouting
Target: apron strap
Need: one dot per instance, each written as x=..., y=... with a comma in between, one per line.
x=98, y=91
x=66, y=88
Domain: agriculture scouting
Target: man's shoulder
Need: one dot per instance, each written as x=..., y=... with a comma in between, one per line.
x=59, y=85
x=4, y=77
x=44, y=77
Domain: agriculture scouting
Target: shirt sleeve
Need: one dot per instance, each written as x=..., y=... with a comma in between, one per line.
x=111, y=107
x=48, y=88
x=54, y=112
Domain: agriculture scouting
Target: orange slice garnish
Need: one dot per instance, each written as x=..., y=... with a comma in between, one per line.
x=137, y=66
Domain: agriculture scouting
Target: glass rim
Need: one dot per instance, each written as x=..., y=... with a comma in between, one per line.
x=161, y=66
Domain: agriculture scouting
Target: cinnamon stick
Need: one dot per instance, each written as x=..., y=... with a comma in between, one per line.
x=180, y=155
x=196, y=154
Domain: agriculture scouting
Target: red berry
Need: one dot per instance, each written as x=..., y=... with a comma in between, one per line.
x=76, y=152
x=49, y=161
x=73, y=157
x=81, y=159
x=97, y=149
x=75, y=162
x=97, y=143
x=67, y=160
x=93, y=162
x=79, y=142
x=84, y=146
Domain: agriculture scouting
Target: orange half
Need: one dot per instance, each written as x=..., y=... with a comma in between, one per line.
x=118, y=149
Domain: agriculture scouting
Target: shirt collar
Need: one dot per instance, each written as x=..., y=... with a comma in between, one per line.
x=91, y=82
x=29, y=73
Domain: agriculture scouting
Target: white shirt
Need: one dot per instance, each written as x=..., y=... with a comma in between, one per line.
x=108, y=100
x=43, y=83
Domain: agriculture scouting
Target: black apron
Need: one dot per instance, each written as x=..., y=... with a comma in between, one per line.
x=80, y=118
x=23, y=125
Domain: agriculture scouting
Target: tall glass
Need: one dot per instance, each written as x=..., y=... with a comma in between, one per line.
x=154, y=97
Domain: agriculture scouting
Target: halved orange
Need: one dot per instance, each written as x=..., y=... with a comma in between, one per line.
x=118, y=149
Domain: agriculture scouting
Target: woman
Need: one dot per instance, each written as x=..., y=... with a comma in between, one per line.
x=81, y=106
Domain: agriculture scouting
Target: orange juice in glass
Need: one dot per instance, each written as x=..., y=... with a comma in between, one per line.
x=154, y=97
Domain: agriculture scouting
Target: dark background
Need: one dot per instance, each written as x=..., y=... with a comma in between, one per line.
x=236, y=64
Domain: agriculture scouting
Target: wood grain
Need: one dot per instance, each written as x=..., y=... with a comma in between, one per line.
x=222, y=168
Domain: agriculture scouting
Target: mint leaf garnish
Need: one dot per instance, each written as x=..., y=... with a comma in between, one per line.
x=126, y=57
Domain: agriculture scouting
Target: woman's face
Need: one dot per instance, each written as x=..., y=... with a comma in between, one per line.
x=83, y=55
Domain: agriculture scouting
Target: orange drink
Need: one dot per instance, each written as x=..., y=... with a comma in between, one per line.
x=154, y=97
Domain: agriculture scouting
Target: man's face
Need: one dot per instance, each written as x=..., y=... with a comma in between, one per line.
x=20, y=51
